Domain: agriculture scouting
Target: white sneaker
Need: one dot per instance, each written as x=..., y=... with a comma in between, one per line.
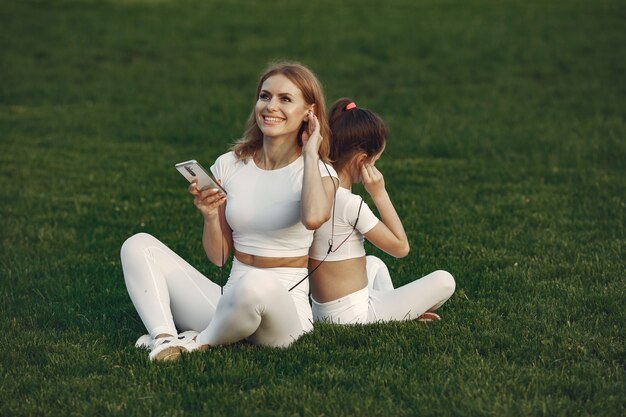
x=428, y=317
x=189, y=334
x=193, y=344
x=144, y=342
x=170, y=348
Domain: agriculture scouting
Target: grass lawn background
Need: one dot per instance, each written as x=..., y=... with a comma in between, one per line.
x=506, y=161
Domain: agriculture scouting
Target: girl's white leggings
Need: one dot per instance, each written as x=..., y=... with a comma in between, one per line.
x=379, y=301
x=171, y=296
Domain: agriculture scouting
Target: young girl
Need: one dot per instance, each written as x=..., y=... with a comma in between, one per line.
x=348, y=287
x=279, y=191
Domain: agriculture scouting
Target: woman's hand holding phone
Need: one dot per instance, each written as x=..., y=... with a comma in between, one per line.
x=208, y=193
x=207, y=200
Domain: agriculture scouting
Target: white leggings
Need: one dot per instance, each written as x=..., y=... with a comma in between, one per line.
x=170, y=295
x=379, y=301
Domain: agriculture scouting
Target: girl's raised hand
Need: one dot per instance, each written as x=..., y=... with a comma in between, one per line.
x=372, y=179
x=311, y=137
x=207, y=200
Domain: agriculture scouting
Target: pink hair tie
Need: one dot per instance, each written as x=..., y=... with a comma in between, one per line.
x=351, y=106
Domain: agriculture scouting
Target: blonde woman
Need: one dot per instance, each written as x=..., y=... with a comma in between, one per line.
x=279, y=190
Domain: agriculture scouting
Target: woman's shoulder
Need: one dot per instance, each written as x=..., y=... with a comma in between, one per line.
x=346, y=198
x=228, y=159
x=227, y=165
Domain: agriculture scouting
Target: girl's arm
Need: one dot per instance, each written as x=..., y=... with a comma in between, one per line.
x=388, y=235
x=217, y=236
x=317, y=192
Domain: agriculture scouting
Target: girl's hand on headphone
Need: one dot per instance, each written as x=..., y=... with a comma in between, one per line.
x=207, y=200
x=311, y=137
x=372, y=179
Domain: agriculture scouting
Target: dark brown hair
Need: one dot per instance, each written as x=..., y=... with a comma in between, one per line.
x=354, y=130
x=312, y=92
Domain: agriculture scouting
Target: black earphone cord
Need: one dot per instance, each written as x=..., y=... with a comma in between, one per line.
x=222, y=214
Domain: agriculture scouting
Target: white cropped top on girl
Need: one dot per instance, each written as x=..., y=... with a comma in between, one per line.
x=346, y=214
x=263, y=206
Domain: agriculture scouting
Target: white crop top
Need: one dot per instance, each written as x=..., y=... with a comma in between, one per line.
x=263, y=206
x=346, y=211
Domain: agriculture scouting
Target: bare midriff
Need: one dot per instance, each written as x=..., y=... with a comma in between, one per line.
x=271, y=262
x=336, y=279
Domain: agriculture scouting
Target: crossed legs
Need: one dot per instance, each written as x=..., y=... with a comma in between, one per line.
x=170, y=295
x=409, y=301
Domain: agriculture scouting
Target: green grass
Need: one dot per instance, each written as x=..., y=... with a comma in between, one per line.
x=506, y=161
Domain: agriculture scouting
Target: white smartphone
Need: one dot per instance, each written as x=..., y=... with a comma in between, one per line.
x=192, y=170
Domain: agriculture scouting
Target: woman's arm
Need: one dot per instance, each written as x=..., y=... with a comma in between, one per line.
x=217, y=237
x=317, y=192
x=388, y=235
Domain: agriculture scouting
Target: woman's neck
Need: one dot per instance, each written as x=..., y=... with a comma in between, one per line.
x=345, y=179
x=277, y=153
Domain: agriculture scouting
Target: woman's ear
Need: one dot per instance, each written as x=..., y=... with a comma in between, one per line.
x=361, y=158
x=311, y=110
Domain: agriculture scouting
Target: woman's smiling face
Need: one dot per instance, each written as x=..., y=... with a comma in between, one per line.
x=280, y=108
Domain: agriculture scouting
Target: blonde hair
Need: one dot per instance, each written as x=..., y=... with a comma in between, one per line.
x=312, y=92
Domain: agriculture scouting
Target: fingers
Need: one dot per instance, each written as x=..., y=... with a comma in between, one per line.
x=209, y=199
x=368, y=169
x=376, y=172
x=311, y=137
x=312, y=123
x=209, y=202
x=365, y=173
x=193, y=188
x=210, y=194
x=370, y=174
x=315, y=123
